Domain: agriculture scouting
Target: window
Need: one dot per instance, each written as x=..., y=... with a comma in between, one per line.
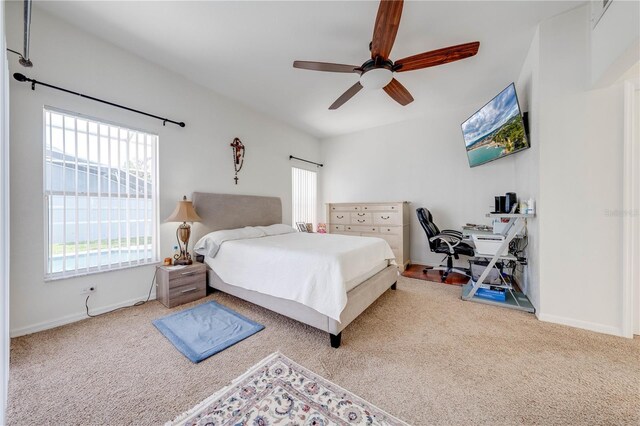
x=100, y=192
x=304, y=196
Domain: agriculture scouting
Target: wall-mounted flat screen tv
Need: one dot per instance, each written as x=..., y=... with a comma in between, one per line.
x=495, y=130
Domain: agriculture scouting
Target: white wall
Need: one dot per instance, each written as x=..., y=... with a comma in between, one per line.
x=580, y=177
x=614, y=42
x=527, y=164
x=4, y=221
x=422, y=161
x=196, y=158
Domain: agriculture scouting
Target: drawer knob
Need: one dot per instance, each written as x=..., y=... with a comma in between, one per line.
x=340, y=217
x=190, y=273
x=361, y=221
x=385, y=218
x=189, y=290
x=360, y=214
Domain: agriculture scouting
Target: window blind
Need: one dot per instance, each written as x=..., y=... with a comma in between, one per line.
x=304, y=196
x=100, y=190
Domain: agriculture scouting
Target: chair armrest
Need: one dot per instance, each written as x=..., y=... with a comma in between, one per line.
x=452, y=232
x=450, y=240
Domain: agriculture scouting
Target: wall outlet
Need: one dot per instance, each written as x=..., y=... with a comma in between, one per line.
x=89, y=290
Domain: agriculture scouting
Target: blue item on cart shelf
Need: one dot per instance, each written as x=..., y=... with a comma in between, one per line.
x=497, y=294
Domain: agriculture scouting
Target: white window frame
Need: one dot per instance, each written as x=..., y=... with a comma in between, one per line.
x=312, y=211
x=154, y=233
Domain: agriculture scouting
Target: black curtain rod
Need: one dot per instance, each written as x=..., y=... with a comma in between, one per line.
x=22, y=78
x=291, y=157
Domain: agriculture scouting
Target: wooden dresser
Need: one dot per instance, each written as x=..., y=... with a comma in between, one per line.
x=389, y=221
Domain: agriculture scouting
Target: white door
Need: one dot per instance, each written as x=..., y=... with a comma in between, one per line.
x=631, y=195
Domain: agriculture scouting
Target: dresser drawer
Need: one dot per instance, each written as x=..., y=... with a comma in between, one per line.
x=398, y=256
x=346, y=208
x=361, y=228
x=393, y=240
x=396, y=230
x=361, y=218
x=341, y=218
x=353, y=234
x=381, y=208
x=336, y=228
x=387, y=218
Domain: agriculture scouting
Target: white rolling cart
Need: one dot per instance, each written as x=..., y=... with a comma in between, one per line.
x=514, y=299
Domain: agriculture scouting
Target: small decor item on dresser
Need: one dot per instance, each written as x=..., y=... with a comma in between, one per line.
x=279, y=391
x=184, y=213
x=238, y=156
x=302, y=227
x=322, y=228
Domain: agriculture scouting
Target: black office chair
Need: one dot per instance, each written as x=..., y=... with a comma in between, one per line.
x=447, y=242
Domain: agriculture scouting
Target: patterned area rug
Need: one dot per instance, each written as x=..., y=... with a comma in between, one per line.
x=279, y=391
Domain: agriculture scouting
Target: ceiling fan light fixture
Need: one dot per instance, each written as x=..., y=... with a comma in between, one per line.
x=376, y=78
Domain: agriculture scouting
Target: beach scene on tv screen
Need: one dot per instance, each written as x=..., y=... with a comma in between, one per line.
x=496, y=130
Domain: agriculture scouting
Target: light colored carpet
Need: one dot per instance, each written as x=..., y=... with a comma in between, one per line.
x=419, y=353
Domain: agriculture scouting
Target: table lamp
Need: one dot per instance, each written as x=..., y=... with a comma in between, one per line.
x=184, y=213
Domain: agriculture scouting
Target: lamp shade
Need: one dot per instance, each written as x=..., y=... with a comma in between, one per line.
x=184, y=212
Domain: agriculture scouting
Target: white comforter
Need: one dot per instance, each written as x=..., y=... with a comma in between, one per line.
x=311, y=269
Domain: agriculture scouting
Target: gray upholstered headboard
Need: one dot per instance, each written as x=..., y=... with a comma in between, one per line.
x=229, y=211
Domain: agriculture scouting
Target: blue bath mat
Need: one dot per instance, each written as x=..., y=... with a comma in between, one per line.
x=205, y=330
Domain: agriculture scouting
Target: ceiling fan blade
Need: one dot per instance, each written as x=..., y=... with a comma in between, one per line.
x=398, y=92
x=437, y=57
x=386, y=28
x=325, y=66
x=351, y=91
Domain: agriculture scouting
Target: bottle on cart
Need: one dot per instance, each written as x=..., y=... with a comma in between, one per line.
x=531, y=206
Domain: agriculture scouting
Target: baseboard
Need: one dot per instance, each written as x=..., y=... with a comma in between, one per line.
x=68, y=319
x=586, y=325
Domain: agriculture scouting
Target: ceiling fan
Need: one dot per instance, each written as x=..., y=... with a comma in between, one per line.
x=377, y=72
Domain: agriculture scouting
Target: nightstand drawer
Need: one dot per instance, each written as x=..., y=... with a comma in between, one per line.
x=187, y=293
x=183, y=280
x=189, y=271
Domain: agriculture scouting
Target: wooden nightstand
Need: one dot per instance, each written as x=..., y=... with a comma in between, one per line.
x=178, y=286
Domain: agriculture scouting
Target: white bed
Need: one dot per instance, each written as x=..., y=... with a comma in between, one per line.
x=325, y=281
x=316, y=270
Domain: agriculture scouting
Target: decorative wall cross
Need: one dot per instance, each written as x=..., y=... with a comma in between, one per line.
x=238, y=156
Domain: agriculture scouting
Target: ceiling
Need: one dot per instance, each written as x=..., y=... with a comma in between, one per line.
x=245, y=51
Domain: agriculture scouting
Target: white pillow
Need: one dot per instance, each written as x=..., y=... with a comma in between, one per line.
x=210, y=243
x=277, y=229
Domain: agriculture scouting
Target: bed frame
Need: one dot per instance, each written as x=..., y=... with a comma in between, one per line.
x=228, y=211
